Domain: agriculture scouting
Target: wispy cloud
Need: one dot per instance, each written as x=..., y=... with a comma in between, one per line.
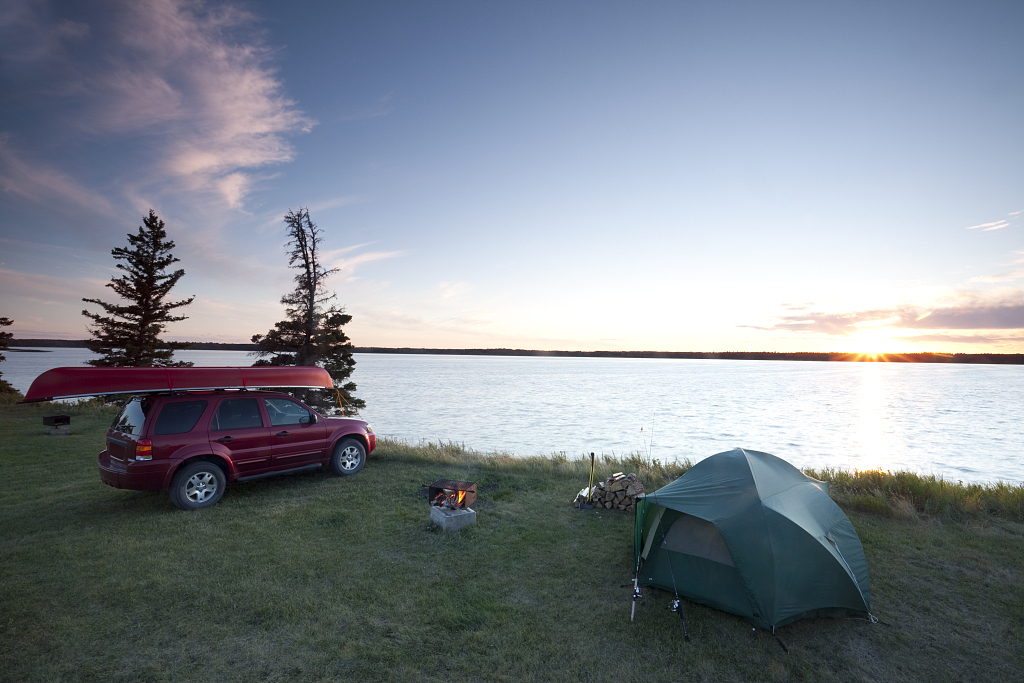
x=995, y=225
x=45, y=289
x=998, y=311
x=998, y=225
x=195, y=78
x=963, y=338
x=347, y=264
x=381, y=107
x=1006, y=276
x=232, y=104
x=42, y=184
x=452, y=289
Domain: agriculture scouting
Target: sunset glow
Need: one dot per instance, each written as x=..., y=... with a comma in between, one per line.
x=693, y=177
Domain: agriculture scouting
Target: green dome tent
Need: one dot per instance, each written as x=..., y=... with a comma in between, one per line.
x=748, y=533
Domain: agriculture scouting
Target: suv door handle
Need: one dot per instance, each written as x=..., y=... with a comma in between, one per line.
x=225, y=439
x=281, y=434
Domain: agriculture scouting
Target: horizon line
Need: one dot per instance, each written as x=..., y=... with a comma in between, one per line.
x=834, y=356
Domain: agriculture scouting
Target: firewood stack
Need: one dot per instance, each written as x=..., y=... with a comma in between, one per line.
x=618, y=491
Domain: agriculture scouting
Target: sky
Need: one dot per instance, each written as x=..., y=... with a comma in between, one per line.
x=681, y=176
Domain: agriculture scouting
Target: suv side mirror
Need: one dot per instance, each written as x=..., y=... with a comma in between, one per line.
x=308, y=420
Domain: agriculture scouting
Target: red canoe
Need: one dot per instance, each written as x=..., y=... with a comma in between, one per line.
x=79, y=382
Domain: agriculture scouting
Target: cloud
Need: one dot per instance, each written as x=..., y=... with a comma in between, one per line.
x=381, y=107
x=1007, y=276
x=236, y=115
x=996, y=225
x=346, y=265
x=193, y=78
x=1003, y=311
x=43, y=185
x=452, y=289
x=962, y=338
x=48, y=290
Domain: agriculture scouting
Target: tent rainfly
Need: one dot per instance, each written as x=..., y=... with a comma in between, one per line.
x=747, y=533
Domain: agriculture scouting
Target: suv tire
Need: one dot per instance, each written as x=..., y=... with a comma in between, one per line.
x=348, y=458
x=198, y=485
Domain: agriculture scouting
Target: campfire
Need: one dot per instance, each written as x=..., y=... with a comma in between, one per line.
x=454, y=495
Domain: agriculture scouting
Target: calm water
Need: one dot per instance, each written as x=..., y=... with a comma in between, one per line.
x=959, y=421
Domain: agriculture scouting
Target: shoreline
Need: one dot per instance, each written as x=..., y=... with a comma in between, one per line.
x=813, y=356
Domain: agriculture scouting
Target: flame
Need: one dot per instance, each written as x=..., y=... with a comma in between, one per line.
x=449, y=498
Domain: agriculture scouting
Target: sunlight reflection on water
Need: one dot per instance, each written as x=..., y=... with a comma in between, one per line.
x=959, y=421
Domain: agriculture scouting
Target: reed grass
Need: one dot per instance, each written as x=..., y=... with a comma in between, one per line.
x=889, y=494
x=907, y=494
x=653, y=472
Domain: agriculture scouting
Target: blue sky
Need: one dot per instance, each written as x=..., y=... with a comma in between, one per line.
x=667, y=176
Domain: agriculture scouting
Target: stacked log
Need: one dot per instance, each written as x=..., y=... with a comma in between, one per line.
x=619, y=491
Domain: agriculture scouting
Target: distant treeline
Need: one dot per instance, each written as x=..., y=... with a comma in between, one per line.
x=995, y=358
x=80, y=344
x=982, y=358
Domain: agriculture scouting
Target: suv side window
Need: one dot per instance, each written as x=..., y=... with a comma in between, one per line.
x=283, y=411
x=179, y=417
x=132, y=417
x=237, y=413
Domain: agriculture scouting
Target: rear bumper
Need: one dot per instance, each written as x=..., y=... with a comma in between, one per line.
x=136, y=476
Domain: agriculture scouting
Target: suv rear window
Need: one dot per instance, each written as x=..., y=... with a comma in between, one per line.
x=132, y=416
x=180, y=417
x=237, y=413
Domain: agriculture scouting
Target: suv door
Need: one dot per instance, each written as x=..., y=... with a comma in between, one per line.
x=238, y=425
x=299, y=435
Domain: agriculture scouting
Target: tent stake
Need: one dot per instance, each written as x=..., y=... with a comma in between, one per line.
x=779, y=641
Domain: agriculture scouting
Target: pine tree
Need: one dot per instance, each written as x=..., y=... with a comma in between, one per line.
x=312, y=334
x=5, y=339
x=129, y=335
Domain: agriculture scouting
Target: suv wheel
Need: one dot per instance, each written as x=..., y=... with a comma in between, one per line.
x=349, y=457
x=198, y=485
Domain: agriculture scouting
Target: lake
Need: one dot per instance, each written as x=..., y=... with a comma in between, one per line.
x=963, y=422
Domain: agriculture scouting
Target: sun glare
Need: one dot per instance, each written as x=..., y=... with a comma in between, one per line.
x=872, y=344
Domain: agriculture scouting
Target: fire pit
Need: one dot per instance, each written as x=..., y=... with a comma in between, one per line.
x=451, y=494
x=449, y=503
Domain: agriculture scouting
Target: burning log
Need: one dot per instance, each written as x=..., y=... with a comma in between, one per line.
x=619, y=491
x=451, y=494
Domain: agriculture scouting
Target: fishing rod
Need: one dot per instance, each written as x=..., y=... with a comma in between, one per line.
x=677, y=604
x=637, y=595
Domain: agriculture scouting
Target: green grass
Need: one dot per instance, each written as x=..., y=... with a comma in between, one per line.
x=316, y=578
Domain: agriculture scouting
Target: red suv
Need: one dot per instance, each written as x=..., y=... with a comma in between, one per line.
x=196, y=443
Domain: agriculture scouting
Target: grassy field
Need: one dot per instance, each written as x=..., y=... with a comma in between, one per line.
x=316, y=578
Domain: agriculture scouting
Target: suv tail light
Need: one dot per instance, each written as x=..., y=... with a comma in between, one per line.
x=144, y=450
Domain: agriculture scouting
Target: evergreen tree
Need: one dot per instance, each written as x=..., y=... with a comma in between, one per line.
x=129, y=335
x=312, y=334
x=5, y=339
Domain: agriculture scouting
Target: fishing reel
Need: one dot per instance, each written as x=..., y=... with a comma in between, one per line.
x=677, y=607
